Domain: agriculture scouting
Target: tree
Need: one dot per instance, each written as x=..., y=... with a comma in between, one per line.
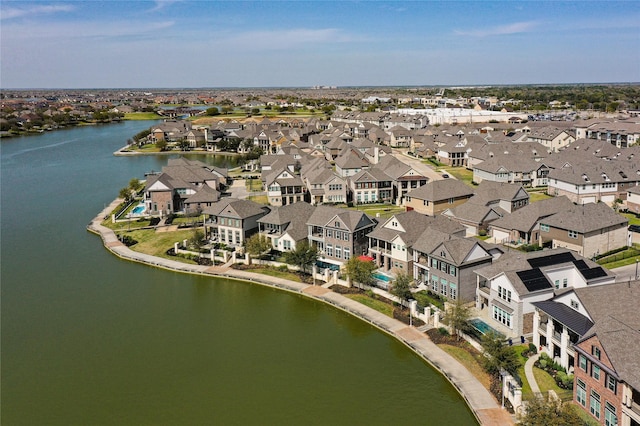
x=213, y=111
x=161, y=145
x=458, y=318
x=549, y=411
x=135, y=185
x=257, y=244
x=126, y=194
x=197, y=239
x=304, y=256
x=361, y=271
x=500, y=356
x=401, y=286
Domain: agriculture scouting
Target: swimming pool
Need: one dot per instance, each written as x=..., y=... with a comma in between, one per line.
x=382, y=277
x=482, y=327
x=139, y=209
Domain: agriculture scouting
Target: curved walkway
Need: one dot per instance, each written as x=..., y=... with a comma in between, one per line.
x=528, y=372
x=481, y=402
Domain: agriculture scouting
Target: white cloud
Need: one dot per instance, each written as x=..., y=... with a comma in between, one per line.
x=161, y=4
x=9, y=12
x=515, y=28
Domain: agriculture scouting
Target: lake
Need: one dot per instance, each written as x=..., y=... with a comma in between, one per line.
x=88, y=338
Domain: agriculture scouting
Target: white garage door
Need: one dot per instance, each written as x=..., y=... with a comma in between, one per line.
x=499, y=235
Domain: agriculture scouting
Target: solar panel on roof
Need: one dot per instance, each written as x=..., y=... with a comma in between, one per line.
x=552, y=259
x=534, y=279
x=581, y=265
x=593, y=273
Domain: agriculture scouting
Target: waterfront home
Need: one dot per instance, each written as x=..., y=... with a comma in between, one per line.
x=508, y=289
x=391, y=242
x=607, y=371
x=285, y=227
x=166, y=192
x=231, y=221
x=338, y=233
x=445, y=264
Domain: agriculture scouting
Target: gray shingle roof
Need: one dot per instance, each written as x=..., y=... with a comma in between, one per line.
x=441, y=190
x=585, y=218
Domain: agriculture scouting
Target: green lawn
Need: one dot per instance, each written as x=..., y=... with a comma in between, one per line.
x=157, y=243
x=538, y=196
x=633, y=220
x=460, y=173
x=273, y=272
x=261, y=199
x=547, y=383
x=253, y=185
x=470, y=362
x=376, y=304
x=385, y=210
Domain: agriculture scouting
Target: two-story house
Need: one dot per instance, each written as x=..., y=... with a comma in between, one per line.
x=339, y=233
x=589, y=229
x=435, y=197
x=371, y=186
x=606, y=379
x=232, y=221
x=286, y=226
x=508, y=289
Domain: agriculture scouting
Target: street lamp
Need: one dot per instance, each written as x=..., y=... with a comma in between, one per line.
x=636, y=275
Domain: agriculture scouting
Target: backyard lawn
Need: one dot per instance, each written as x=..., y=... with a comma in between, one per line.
x=385, y=210
x=470, y=362
x=385, y=308
x=253, y=185
x=633, y=220
x=157, y=243
x=274, y=272
x=538, y=196
x=261, y=199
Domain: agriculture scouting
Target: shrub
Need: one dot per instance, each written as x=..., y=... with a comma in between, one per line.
x=283, y=268
x=154, y=221
x=532, y=348
x=543, y=363
x=128, y=241
x=525, y=353
x=443, y=331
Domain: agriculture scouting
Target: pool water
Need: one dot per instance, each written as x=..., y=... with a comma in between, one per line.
x=483, y=327
x=381, y=277
x=139, y=209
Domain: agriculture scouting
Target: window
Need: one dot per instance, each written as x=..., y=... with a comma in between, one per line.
x=612, y=383
x=595, y=351
x=610, y=418
x=574, y=304
x=582, y=362
x=337, y=224
x=222, y=221
x=453, y=290
x=573, y=234
x=237, y=237
x=595, y=372
x=502, y=316
x=338, y=252
x=434, y=283
x=504, y=294
x=544, y=228
x=329, y=249
x=564, y=283
x=347, y=254
x=443, y=287
x=237, y=223
x=594, y=405
x=286, y=244
x=581, y=393
x=557, y=284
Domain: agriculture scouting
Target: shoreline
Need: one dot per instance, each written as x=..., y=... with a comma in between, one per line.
x=479, y=400
x=123, y=153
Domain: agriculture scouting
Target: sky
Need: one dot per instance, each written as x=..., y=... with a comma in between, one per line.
x=194, y=44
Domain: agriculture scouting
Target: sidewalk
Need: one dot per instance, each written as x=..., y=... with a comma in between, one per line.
x=482, y=403
x=528, y=372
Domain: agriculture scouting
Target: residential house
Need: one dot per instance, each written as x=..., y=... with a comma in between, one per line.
x=509, y=197
x=523, y=225
x=508, y=289
x=621, y=134
x=633, y=200
x=339, y=233
x=435, y=197
x=325, y=187
x=553, y=138
x=166, y=192
x=284, y=187
x=585, y=176
x=607, y=372
x=350, y=163
x=371, y=186
x=475, y=215
x=589, y=229
x=286, y=227
x=563, y=327
x=404, y=177
x=391, y=243
x=204, y=197
x=445, y=264
x=231, y=221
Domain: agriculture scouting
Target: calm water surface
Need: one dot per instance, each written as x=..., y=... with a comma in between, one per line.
x=88, y=339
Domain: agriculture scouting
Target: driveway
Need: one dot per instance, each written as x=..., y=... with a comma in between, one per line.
x=418, y=165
